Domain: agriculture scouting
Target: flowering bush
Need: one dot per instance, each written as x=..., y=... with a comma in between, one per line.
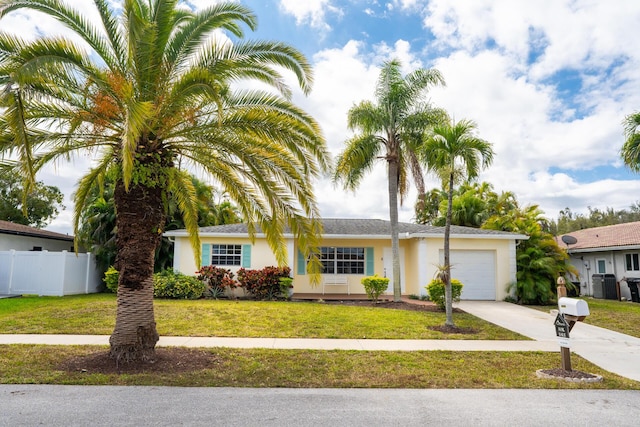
x=265, y=283
x=435, y=288
x=217, y=280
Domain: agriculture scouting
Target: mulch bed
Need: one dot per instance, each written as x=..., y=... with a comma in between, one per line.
x=573, y=376
x=170, y=360
x=402, y=305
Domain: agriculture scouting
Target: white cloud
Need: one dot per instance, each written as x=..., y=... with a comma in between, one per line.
x=311, y=12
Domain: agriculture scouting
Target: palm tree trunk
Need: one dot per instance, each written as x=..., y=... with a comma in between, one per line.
x=448, y=294
x=139, y=220
x=393, y=217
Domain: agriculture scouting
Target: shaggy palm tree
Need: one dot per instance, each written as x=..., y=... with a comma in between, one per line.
x=390, y=129
x=453, y=152
x=161, y=85
x=630, y=151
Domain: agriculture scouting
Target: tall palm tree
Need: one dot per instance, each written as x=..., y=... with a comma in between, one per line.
x=390, y=129
x=630, y=151
x=452, y=151
x=162, y=85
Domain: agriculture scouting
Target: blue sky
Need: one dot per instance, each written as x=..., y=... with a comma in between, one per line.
x=548, y=82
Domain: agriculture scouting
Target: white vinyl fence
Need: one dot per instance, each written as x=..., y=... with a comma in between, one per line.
x=47, y=273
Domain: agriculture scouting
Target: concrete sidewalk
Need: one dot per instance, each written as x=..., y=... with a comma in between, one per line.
x=613, y=351
x=297, y=343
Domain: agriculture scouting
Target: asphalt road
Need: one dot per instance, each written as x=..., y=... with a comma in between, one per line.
x=31, y=405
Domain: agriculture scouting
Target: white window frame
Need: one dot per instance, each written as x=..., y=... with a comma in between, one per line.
x=343, y=260
x=604, y=264
x=220, y=253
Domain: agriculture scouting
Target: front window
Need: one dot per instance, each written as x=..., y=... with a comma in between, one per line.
x=226, y=254
x=342, y=260
x=632, y=262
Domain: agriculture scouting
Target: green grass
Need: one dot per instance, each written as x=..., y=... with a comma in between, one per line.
x=29, y=364
x=620, y=316
x=95, y=314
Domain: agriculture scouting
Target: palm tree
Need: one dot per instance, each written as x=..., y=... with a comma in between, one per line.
x=390, y=129
x=162, y=85
x=453, y=152
x=630, y=151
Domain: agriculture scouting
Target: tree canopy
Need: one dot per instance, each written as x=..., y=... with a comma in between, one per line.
x=453, y=152
x=146, y=86
x=37, y=208
x=391, y=129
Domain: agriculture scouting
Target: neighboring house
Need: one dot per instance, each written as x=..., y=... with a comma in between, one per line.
x=613, y=249
x=41, y=262
x=483, y=260
x=24, y=238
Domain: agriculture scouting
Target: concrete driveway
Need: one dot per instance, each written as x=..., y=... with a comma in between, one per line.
x=613, y=351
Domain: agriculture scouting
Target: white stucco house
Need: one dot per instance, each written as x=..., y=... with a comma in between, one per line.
x=610, y=250
x=24, y=238
x=42, y=262
x=483, y=260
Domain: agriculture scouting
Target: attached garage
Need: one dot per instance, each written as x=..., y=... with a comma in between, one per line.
x=476, y=269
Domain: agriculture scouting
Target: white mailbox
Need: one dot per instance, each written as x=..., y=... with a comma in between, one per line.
x=573, y=307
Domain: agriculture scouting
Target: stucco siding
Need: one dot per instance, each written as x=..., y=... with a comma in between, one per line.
x=27, y=243
x=614, y=262
x=502, y=248
x=421, y=256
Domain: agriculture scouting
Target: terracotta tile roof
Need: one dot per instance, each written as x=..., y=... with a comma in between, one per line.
x=7, y=227
x=610, y=236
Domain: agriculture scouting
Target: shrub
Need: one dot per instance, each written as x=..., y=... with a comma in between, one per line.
x=374, y=286
x=111, y=279
x=170, y=284
x=217, y=280
x=286, y=286
x=263, y=284
x=435, y=288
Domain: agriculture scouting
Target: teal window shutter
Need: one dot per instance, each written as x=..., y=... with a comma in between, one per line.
x=206, y=254
x=302, y=263
x=246, y=256
x=369, y=262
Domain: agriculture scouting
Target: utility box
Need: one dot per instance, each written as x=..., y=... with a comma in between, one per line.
x=573, y=307
x=604, y=286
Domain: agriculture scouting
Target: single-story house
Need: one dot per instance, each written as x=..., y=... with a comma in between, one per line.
x=24, y=238
x=610, y=250
x=41, y=262
x=483, y=260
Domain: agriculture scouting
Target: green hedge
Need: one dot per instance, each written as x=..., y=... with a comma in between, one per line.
x=166, y=284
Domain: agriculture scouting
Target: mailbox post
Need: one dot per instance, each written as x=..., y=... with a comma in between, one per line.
x=570, y=311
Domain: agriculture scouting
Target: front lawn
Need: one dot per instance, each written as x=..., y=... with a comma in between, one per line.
x=620, y=316
x=29, y=364
x=95, y=315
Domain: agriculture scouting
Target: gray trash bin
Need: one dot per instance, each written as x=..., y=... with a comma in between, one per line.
x=610, y=290
x=598, y=285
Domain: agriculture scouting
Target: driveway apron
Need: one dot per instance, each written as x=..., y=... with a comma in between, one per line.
x=613, y=351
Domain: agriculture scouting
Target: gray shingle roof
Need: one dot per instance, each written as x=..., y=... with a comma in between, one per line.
x=7, y=227
x=363, y=227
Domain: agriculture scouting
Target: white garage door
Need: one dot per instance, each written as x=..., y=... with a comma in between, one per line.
x=477, y=272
